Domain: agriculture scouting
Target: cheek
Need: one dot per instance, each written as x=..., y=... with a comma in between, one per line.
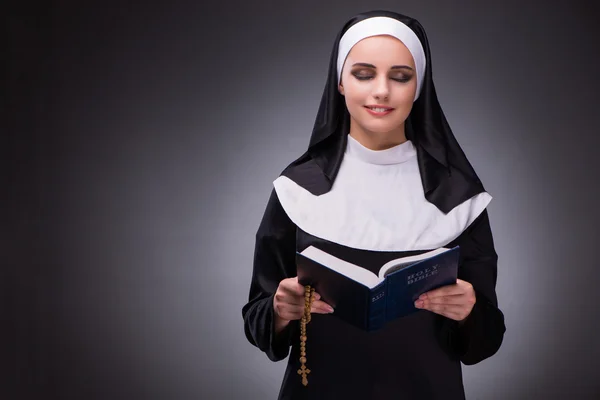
x=354, y=102
x=406, y=103
x=356, y=95
x=405, y=98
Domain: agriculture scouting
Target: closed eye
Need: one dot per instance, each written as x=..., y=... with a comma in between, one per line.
x=402, y=79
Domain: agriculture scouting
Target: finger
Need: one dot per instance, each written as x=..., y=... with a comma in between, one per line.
x=288, y=311
x=314, y=310
x=296, y=288
x=294, y=312
x=291, y=312
x=288, y=299
x=456, y=299
x=285, y=299
x=292, y=286
x=447, y=290
x=467, y=300
x=321, y=307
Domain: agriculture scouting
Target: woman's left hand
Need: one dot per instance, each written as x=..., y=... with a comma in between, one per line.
x=453, y=301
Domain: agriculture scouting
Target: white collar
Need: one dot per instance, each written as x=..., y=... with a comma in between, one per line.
x=394, y=155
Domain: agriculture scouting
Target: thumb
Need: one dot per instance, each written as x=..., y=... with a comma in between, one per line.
x=302, y=289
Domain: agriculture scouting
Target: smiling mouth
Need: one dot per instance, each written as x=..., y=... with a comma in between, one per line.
x=379, y=109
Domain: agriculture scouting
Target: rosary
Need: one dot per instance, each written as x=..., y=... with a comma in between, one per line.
x=309, y=296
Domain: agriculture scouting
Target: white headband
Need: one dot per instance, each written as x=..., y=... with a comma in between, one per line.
x=383, y=26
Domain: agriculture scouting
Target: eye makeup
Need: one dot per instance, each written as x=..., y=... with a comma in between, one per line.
x=362, y=75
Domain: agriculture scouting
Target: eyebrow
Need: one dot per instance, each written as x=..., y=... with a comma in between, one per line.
x=374, y=67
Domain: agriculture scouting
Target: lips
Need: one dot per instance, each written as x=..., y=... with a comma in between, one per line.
x=379, y=108
x=378, y=111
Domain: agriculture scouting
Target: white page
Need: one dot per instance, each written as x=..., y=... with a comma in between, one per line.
x=352, y=271
x=399, y=262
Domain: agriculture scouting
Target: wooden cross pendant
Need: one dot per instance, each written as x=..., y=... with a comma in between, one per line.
x=304, y=371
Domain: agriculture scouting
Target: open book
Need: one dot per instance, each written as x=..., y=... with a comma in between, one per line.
x=369, y=300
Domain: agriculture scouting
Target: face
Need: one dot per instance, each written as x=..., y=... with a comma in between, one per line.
x=379, y=71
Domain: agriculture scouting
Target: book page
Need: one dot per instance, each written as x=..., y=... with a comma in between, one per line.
x=352, y=271
x=402, y=262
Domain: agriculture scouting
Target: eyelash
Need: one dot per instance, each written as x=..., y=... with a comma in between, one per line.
x=366, y=78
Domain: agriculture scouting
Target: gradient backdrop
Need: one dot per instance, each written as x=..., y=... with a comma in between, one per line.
x=141, y=147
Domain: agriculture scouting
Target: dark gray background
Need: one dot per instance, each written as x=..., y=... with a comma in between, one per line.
x=142, y=145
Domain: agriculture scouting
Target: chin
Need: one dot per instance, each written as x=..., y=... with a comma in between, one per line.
x=381, y=129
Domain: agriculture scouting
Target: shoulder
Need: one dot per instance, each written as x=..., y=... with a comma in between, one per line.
x=275, y=221
x=306, y=174
x=477, y=237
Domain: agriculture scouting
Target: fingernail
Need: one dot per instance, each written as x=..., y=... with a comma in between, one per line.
x=330, y=309
x=418, y=304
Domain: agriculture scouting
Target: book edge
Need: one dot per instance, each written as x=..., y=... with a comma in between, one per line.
x=342, y=266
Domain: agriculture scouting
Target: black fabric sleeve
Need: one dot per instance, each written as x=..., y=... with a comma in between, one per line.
x=481, y=334
x=274, y=260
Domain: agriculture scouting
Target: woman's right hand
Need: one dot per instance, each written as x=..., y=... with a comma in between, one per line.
x=288, y=302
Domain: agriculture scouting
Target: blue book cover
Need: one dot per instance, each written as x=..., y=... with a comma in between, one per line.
x=368, y=300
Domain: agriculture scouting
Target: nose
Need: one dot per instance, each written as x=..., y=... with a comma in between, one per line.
x=381, y=89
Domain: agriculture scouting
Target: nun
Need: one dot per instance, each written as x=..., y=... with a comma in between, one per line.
x=384, y=174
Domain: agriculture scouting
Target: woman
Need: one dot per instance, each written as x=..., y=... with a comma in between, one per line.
x=383, y=174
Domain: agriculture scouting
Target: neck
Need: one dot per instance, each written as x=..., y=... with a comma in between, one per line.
x=377, y=140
